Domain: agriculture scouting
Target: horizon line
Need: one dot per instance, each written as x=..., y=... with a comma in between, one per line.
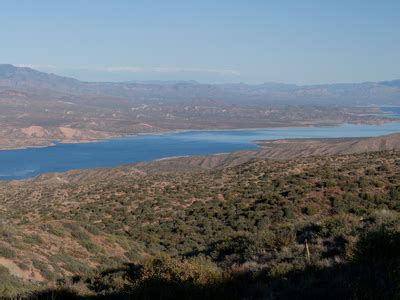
x=44, y=69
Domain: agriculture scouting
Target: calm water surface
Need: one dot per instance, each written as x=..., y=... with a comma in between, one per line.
x=392, y=111
x=18, y=164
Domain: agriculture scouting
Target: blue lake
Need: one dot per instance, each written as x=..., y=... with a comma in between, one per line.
x=392, y=111
x=25, y=163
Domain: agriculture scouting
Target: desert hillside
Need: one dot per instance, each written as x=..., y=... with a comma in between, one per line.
x=133, y=231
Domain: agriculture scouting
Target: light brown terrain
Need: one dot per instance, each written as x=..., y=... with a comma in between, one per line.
x=294, y=148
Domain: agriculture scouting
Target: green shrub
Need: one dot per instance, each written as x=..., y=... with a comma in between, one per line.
x=199, y=270
x=44, y=269
x=33, y=239
x=7, y=252
x=310, y=210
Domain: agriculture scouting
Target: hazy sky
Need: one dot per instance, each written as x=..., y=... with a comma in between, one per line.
x=252, y=41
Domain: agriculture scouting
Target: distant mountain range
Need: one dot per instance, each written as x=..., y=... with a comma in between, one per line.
x=385, y=92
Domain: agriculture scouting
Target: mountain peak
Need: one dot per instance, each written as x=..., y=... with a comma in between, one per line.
x=26, y=78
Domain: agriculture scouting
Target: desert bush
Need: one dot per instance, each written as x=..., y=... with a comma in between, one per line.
x=198, y=270
x=310, y=210
x=11, y=287
x=44, y=269
x=379, y=246
x=33, y=239
x=7, y=252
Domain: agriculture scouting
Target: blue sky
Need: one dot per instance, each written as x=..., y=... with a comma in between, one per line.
x=252, y=41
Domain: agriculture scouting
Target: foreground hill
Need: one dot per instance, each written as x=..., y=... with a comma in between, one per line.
x=315, y=227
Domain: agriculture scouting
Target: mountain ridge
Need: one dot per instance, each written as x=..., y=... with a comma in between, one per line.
x=24, y=77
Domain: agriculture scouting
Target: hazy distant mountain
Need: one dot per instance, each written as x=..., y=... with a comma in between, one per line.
x=26, y=78
x=163, y=82
x=386, y=92
x=393, y=83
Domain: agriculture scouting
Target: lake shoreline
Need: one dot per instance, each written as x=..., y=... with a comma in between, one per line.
x=54, y=142
x=115, y=152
